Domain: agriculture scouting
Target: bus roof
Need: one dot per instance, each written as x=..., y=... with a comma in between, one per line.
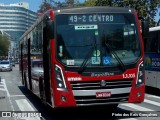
x=154, y=28
x=95, y=9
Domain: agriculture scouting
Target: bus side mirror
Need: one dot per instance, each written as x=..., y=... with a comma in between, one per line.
x=50, y=29
x=145, y=28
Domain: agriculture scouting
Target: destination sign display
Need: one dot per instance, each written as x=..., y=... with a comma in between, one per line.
x=95, y=18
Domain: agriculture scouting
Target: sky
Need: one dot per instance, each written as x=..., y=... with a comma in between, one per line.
x=158, y=15
x=34, y=5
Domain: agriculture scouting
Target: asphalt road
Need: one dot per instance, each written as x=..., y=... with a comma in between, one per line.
x=14, y=99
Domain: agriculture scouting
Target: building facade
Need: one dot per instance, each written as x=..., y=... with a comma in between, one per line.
x=15, y=19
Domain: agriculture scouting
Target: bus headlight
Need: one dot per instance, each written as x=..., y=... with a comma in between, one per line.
x=61, y=85
x=140, y=74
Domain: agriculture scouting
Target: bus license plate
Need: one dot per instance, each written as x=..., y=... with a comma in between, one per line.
x=103, y=94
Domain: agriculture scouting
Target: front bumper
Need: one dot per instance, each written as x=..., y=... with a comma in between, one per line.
x=5, y=69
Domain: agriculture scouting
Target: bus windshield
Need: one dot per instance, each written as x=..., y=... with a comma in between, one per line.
x=81, y=36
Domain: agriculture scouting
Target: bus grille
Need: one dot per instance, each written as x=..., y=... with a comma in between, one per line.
x=92, y=85
x=88, y=86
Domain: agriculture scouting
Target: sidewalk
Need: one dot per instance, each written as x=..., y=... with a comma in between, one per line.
x=3, y=97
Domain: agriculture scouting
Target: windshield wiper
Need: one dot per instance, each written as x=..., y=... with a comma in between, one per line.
x=116, y=56
x=84, y=63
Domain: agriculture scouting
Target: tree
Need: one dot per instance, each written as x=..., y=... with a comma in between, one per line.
x=70, y=3
x=145, y=8
x=4, y=45
x=153, y=8
x=44, y=7
x=103, y=2
x=51, y=4
x=90, y=3
x=59, y=4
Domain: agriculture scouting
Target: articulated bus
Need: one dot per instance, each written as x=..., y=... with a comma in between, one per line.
x=84, y=56
x=152, y=58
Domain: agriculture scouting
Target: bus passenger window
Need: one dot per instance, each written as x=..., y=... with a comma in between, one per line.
x=151, y=42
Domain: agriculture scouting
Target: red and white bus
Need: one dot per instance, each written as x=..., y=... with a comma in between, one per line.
x=84, y=56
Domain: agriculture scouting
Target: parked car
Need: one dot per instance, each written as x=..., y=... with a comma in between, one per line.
x=36, y=69
x=13, y=63
x=5, y=65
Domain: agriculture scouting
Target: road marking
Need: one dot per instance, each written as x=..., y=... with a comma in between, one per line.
x=17, y=95
x=152, y=102
x=2, y=81
x=5, y=87
x=152, y=96
x=24, y=105
x=2, y=89
x=136, y=107
x=8, y=95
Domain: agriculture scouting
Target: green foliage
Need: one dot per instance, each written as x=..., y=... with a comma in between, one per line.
x=90, y=3
x=44, y=7
x=145, y=8
x=103, y=2
x=70, y=3
x=4, y=45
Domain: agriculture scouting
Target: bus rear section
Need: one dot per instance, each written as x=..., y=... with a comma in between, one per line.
x=95, y=57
